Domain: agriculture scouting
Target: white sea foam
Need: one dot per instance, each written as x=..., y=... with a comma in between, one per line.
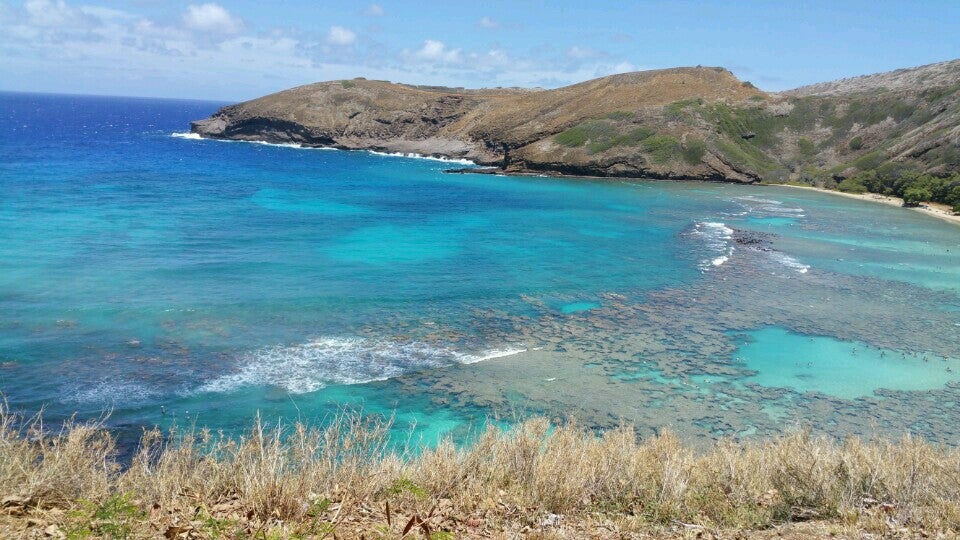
x=489, y=355
x=790, y=262
x=411, y=155
x=721, y=228
x=297, y=146
x=718, y=238
x=112, y=390
x=336, y=360
x=761, y=207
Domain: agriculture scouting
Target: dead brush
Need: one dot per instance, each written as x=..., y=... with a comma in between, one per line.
x=41, y=468
x=347, y=479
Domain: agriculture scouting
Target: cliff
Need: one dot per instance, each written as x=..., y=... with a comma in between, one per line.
x=685, y=123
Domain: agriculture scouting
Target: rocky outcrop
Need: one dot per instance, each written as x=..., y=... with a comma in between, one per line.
x=682, y=123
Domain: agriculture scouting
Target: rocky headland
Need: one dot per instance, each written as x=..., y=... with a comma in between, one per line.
x=681, y=123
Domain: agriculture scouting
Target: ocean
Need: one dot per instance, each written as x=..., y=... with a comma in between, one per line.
x=148, y=277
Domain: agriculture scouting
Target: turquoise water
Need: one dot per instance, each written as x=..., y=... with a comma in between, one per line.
x=141, y=270
x=576, y=307
x=844, y=369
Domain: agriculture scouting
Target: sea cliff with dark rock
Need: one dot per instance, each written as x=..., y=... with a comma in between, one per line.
x=682, y=123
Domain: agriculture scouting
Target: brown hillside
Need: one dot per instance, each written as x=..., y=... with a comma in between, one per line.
x=693, y=123
x=528, y=117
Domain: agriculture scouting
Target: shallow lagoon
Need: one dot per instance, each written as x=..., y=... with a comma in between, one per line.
x=222, y=279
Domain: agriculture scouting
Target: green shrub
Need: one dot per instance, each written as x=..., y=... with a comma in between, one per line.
x=619, y=115
x=856, y=143
x=591, y=130
x=806, y=147
x=677, y=108
x=747, y=156
x=806, y=113
x=869, y=161
x=631, y=138
x=852, y=185
x=573, y=137
x=662, y=148
x=693, y=151
x=915, y=195
x=936, y=94
x=600, y=135
x=347, y=84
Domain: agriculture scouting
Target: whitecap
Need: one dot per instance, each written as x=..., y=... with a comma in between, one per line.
x=411, y=155
x=761, y=207
x=790, y=262
x=296, y=146
x=489, y=355
x=717, y=237
x=314, y=365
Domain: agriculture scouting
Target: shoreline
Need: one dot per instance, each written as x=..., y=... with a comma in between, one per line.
x=937, y=210
x=932, y=209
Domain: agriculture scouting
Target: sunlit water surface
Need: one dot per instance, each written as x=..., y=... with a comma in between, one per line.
x=141, y=270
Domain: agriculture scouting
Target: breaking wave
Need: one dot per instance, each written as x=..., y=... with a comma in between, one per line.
x=298, y=146
x=412, y=155
x=790, y=262
x=718, y=238
x=314, y=365
x=760, y=207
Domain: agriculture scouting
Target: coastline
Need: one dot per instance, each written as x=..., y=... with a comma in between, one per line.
x=937, y=210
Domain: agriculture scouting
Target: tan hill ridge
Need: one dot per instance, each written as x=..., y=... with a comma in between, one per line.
x=683, y=123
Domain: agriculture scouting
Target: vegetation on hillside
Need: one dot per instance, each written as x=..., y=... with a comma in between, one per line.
x=601, y=135
x=829, y=141
x=534, y=479
x=913, y=187
x=697, y=123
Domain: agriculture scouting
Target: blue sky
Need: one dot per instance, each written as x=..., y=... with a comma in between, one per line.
x=235, y=50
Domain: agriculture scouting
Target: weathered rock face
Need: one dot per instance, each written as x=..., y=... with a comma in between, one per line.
x=684, y=123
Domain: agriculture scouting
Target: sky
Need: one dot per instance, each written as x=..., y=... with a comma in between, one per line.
x=235, y=50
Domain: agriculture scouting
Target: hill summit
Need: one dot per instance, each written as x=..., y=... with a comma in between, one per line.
x=682, y=123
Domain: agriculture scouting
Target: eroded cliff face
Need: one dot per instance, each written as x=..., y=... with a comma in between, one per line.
x=683, y=123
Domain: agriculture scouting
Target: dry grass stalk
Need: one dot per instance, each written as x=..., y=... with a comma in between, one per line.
x=346, y=479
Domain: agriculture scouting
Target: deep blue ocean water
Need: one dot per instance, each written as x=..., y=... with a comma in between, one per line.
x=164, y=278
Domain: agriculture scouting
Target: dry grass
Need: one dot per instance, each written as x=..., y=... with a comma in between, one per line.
x=534, y=480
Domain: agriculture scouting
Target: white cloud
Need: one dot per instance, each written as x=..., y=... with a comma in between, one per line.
x=374, y=10
x=489, y=24
x=56, y=14
x=211, y=18
x=623, y=67
x=436, y=51
x=581, y=53
x=211, y=52
x=341, y=36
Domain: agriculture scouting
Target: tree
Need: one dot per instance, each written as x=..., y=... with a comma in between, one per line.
x=852, y=185
x=914, y=195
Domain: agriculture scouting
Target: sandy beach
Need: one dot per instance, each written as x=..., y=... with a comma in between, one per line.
x=937, y=210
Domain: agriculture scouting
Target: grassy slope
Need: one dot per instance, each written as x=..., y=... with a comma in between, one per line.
x=536, y=480
x=676, y=123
